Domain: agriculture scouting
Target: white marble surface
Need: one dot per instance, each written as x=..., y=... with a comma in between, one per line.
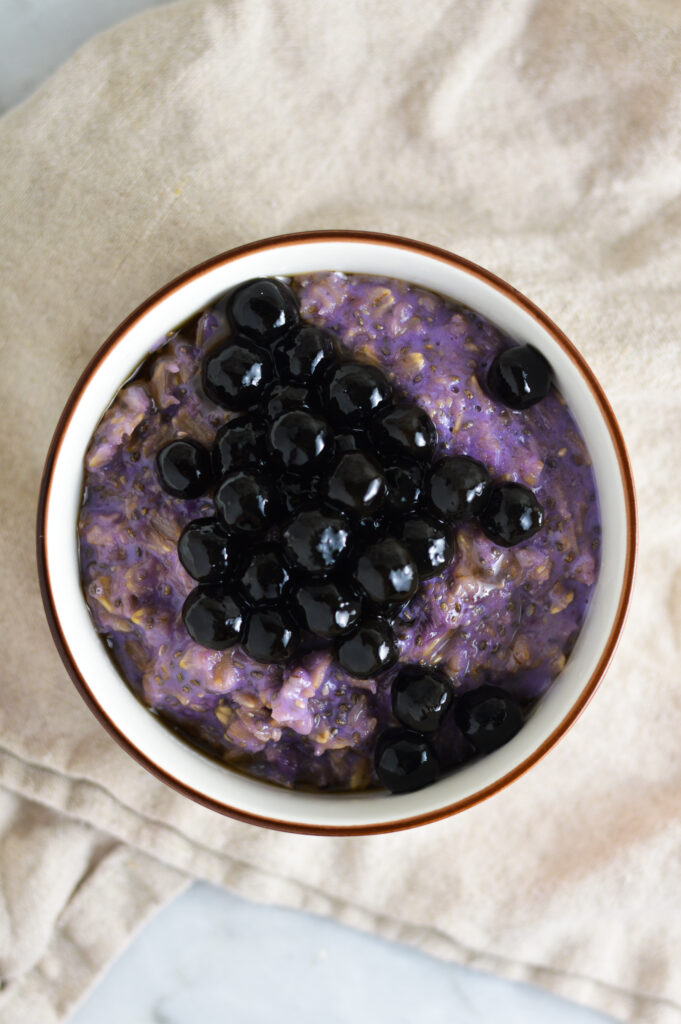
x=36, y=36
x=209, y=956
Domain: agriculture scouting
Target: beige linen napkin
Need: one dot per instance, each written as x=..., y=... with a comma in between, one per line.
x=539, y=138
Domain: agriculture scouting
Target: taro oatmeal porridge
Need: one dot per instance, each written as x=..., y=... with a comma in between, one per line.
x=339, y=532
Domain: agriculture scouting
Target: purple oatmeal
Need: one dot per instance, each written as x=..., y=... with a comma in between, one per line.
x=506, y=616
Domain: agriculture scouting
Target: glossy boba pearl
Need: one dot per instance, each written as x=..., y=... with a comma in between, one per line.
x=315, y=542
x=371, y=649
x=244, y=502
x=404, y=482
x=300, y=441
x=297, y=491
x=488, y=717
x=406, y=430
x=184, y=468
x=236, y=375
x=326, y=609
x=238, y=444
x=262, y=309
x=519, y=377
x=205, y=550
x=457, y=487
x=347, y=443
x=511, y=515
x=430, y=544
x=304, y=354
x=212, y=618
x=280, y=398
x=269, y=637
x=356, y=484
x=421, y=697
x=371, y=528
x=386, y=572
x=353, y=393
x=405, y=761
x=266, y=578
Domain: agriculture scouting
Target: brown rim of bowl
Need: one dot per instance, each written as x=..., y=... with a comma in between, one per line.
x=393, y=241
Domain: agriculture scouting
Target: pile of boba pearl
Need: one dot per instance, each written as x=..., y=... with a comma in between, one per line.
x=422, y=697
x=331, y=509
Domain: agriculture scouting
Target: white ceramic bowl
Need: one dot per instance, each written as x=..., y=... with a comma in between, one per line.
x=84, y=654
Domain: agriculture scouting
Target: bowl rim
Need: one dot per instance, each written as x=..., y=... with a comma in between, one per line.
x=626, y=476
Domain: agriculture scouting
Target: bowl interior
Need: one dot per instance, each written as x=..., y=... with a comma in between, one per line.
x=169, y=755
